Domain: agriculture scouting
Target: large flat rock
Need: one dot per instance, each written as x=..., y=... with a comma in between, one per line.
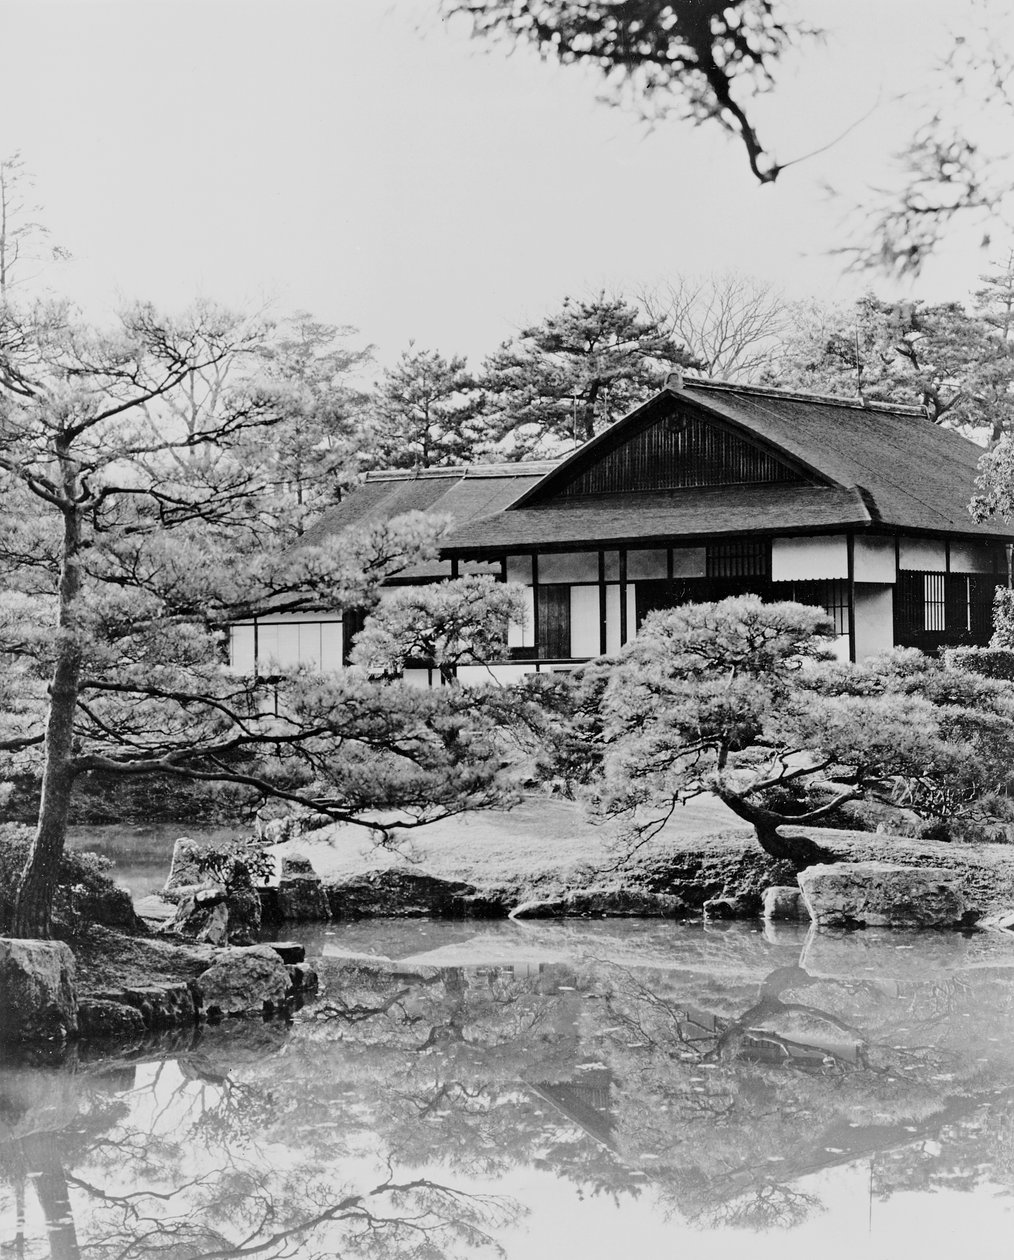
x=882, y=894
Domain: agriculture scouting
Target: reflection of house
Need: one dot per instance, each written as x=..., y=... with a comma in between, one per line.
x=585, y=1101
x=707, y=490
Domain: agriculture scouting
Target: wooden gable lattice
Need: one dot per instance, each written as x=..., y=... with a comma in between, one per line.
x=677, y=452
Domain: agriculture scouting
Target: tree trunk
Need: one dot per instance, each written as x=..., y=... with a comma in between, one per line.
x=799, y=850
x=587, y=420
x=42, y=1154
x=33, y=907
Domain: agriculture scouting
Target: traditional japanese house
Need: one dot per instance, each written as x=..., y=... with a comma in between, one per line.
x=706, y=490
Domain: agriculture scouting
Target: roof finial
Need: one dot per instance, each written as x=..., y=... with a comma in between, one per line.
x=674, y=379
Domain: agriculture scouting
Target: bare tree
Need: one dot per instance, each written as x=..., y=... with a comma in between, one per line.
x=22, y=235
x=729, y=322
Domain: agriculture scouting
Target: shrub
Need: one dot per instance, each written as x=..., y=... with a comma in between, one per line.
x=1003, y=618
x=224, y=864
x=85, y=891
x=987, y=662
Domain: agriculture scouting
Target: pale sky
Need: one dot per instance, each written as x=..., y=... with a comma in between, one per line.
x=357, y=159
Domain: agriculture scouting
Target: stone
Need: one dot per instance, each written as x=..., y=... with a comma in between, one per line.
x=201, y=915
x=783, y=902
x=244, y=920
x=184, y=871
x=302, y=977
x=244, y=980
x=301, y=895
x=882, y=894
x=154, y=909
x=394, y=893
x=38, y=996
x=725, y=908
x=288, y=951
x=602, y=903
x=161, y=1006
x=99, y=1017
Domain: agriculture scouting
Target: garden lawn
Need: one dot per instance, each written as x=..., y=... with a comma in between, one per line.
x=543, y=843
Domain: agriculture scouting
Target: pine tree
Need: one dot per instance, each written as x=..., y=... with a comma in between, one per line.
x=130, y=540
x=956, y=365
x=559, y=382
x=424, y=412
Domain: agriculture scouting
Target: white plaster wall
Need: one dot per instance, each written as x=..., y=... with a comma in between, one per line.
x=613, y=618
x=971, y=558
x=278, y=644
x=420, y=678
x=647, y=564
x=631, y=612
x=611, y=560
x=479, y=675
x=241, y=648
x=332, y=636
x=809, y=558
x=841, y=647
x=569, y=566
x=874, y=619
x=295, y=641
x=875, y=560
x=584, y=621
x=308, y=644
x=922, y=553
x=519, y=569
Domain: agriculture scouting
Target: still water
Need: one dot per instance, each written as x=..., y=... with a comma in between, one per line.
x=551, y=1090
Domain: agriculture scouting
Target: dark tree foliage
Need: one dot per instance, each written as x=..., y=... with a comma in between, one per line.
x=423, y=413
x=708, y=61
x=957, y=365
x=565, y=379
x=703, y=59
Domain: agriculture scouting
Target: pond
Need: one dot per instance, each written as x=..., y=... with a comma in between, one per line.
x=542, y=1091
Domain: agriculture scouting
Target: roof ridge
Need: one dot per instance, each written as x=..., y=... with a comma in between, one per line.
x=770, y=391
x=517, y=468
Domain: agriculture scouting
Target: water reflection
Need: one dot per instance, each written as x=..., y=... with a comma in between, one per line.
x=718, y=1079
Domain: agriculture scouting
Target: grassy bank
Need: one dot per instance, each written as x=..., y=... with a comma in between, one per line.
x=547, y=846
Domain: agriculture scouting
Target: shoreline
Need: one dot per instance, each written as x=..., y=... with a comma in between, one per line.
x=451, y=875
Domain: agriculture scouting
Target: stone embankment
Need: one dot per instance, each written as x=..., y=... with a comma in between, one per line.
x=718, y=881
x=40, y=998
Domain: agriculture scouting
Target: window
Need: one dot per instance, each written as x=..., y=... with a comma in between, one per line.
x=745, y=558
x=934, y=602
x=933, y=610
x=832, y=595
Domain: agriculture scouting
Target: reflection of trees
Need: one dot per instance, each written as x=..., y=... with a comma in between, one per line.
x=377, y=1124
x=730, y=1109
x=196, y=1170
x=246, y=1213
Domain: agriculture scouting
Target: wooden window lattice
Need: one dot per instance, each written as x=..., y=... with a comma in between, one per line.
x=933, y=609
x=935, y=602
x=831, y=594
x=742, y=558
